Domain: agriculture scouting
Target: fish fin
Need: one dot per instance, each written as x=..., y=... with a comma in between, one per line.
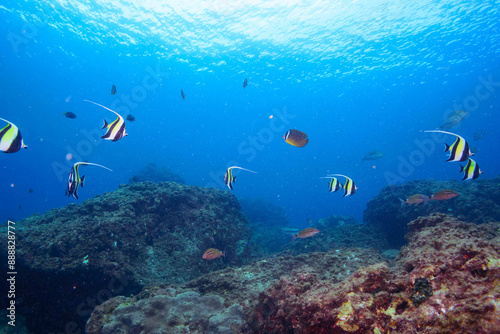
x=81, y=181
x=294, y=237
x=234, y=180
x=105, y=125
x=446, y=147
x=402, y=203
x=461, y=169
x=426, y=200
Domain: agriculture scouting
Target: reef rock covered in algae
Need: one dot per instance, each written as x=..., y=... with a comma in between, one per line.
x=477, y=202
x=75, y=257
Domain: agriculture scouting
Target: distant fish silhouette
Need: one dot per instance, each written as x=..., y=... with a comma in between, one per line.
x=69, y=114
x=373, y=155
x=183, y=95
x=113, y=90
x=245, y=83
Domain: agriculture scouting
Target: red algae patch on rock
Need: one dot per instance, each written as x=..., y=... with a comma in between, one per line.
x=445, y=281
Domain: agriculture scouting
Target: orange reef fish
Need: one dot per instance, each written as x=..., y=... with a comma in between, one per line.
x=11, y=140
x=296, y=138
x=471, y=170
x=305, y=233
x=115, y=130
x=229, y=178
x=212, y=253
x=415, y=200
x=443, y=195
x=459, y=150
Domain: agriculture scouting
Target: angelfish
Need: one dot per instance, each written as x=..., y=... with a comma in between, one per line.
x=471, y=170
x=459, y=150
x=349, y=185
x=11, y=140
x=74, y=179
x=115, y=130
x=229, y=178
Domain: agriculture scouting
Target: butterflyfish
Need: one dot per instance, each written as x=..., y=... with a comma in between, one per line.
x=296, y=138
x=113, y=90
x=349, y=185
x=229, y=178
x=334, y=184
x=115, y=130
x=471, y=170
x=245, y=83
x=212, y=253
x=459, y=150
x=305, y=233
x=11, y=140
x=183, y=95
x=74, y=179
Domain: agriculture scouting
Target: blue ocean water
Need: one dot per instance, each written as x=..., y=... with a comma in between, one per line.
x=356, y=76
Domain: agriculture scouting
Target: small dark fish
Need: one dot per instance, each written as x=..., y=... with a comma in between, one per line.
x=373, y=155
x=296, y=138
x=478, y=135
x=471, y=170
x=305, y=233
x=245, y=83
x=30, y=191
x=11, y=140
x=183, y=95
x=69, y=114
x=212, y=253
x=130, y=118
x=113, y=90
x=443, y=195
x=19, y=206
x=474, y=150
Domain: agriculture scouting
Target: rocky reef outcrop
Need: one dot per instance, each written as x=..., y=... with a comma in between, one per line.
x=71, y=259
x=478, y=202
x=154, y=173
x=444, y=281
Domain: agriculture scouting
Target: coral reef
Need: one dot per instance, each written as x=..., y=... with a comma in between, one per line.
x=236, y=289
x=455, y=265
x=153, y=173
x=72, y=259
x=478, y=202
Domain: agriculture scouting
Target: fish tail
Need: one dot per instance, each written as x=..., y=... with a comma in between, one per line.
x=105, y=125
x=81, y=181
x=402, y=203
x=294, y=237
x=446, y=147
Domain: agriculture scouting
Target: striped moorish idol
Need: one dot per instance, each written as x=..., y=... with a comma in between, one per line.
x=459, y=150
x=296, y=138
x=334, y=184
x=229, y=178
x=11, y=140
x=471, y=170
x=349, y=186
x=74, y=179
x=116, y=129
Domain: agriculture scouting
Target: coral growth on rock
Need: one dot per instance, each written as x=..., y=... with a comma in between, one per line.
x=153, y=173
x=74, y=258
x=478, y=202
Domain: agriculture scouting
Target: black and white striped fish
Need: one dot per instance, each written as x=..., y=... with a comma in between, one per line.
x=349, y=185
x=471, y=170
x=459, y=150
x=115, y=130
x=74, y=179
x=229, y=178
x=11, y=140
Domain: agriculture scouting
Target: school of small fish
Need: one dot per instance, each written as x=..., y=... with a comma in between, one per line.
x=11, y=141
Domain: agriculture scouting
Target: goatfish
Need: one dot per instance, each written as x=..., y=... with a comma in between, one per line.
x=74, y=179
x=415, y=200
x=212, y=253
x=296, y=138
x=11, y=140
x=183, y=95
x=471, y=170
x=305, y=233
x=373, y=155
x=113, y=90
x=334, y=184
x=229, y=178
x=459, y=150
x=349, y=186
x=115, y=130
x=245, y=83
x=69, y=114
x=443, y=195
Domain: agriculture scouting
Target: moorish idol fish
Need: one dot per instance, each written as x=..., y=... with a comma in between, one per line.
x=296, y=138
x=113, y=90
x=471, y=170
x=229, y=178
x=459, y=150
x=245, y=83
x=349, y=186
x=334, y=184
x=183, y=95
x=74, y=179
x=11, y=140
x=116, y=129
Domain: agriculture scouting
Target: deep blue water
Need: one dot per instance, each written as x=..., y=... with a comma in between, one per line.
x=355, y=76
